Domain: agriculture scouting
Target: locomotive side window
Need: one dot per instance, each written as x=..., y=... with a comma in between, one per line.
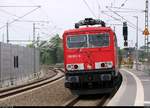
x=98, y=40
x=77, y=41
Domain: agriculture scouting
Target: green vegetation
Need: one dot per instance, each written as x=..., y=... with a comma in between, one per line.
x=142, y=56
x=126, y=57
x=51, y=51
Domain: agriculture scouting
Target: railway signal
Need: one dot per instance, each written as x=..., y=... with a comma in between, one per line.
x=125, y=43
x=125, y=33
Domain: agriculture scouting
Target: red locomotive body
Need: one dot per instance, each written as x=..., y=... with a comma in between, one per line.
x=90, y=59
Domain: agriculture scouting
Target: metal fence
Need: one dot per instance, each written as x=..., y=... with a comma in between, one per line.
x=17, y=64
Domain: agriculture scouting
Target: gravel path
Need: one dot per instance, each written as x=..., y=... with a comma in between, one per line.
x=49, y=95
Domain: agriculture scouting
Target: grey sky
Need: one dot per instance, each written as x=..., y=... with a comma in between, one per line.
x=62, y=15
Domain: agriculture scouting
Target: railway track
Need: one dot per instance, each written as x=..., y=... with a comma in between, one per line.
x=21, y=88
x=90, y=100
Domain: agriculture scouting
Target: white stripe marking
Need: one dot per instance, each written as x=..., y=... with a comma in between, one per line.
x=139, y=100
x=146, y=102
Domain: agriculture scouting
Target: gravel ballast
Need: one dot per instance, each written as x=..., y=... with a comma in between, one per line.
x=53, y=94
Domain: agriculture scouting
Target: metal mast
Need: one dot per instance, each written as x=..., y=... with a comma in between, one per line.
x=7, y=32
x=34, y=48
x=146, y=26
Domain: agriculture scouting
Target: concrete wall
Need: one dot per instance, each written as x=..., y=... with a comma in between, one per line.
x=10, y=73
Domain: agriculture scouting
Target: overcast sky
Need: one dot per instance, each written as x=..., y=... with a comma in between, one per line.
x=62, y=14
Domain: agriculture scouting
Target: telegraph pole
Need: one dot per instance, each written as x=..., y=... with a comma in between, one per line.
x=3, y=38
x=34, y=47
x=146, y=33
x=34, y=38
x=136, y=43
x=33, y=32
x=7, y=32
x=38, y=38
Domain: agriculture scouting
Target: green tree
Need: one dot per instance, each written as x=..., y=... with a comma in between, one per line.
x=30, y=45
x=51, y=51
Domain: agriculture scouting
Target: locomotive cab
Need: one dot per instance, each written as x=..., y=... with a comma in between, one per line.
x=90, y=58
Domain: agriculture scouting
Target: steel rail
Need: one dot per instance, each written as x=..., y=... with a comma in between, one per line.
x=21, y=88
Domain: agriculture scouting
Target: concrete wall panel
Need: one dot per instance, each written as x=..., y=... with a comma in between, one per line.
x=25, y=62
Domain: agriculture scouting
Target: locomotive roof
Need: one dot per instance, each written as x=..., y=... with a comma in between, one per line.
x=88, y=29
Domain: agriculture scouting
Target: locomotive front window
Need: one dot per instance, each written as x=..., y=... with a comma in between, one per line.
x=77, y=41
x=88, y=41
x=98, y=40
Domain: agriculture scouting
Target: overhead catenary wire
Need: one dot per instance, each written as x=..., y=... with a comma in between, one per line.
x=99, y=8
x=123, y=4
x=119, y=20
x=131, y=24
x=112, y=17
x=126, y=8
x=42, y=21
x=89, y=8
x=14, y=15
x=6, y=12
x=126, y=11
x=20, y=17
x=20, y=6
x=115, y=24
x=120, y=16
x=48, y=18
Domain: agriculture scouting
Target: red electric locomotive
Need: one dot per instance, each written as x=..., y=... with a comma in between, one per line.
x=90, y=58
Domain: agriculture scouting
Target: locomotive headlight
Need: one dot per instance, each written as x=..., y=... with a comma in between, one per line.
x=99, y=65
x=103, y=65
x=69, y=66
x=75, y=66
